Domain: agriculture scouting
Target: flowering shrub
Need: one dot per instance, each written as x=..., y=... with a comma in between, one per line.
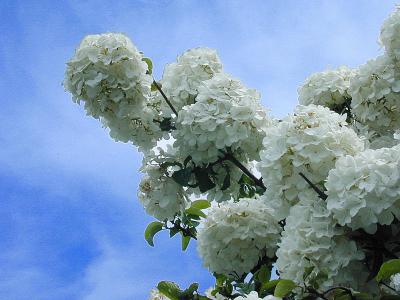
x=314, y=197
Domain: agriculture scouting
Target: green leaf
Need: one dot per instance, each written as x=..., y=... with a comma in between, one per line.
x=227, y=182
x=154, y=87
x=149, y=64
x=166, y=125
x=151, y=230
x=390, y=297
x=201, y=204
x=203, y=180
x=173, y=231
x=284, y=288
x=264, y=274
x=269, y=285
x=182, y=176
x=169, y=289
x=307, y=272
x=388, y=269
x=185, y=242
x=195, y=211
x=191, y=289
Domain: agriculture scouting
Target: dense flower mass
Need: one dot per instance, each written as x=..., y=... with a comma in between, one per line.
x=390, y=34
x=159, y=194
x=328, y=88
x=226, y=115
x=311, y=241
x=375, y=93
x=182, y=79
x=109, y=75
x=316, y=194
x=309, y=141
x=364, y=190
x=236, y=235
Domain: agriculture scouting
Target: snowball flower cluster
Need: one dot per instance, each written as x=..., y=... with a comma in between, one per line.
x=309, y=141
x=236, y=235
x=364, y=190
x=109, y=75
x=226, y=114
x=375, y=93
x=182, y=79
x=311, y=241
x=390, y=34
x=328, y=88
x=159, y=194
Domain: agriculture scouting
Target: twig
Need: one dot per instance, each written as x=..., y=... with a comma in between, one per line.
x=165, y=98
x=320, y=193
x=257, y=181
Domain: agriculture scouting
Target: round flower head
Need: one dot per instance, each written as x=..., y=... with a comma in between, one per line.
x=309, y=141
x=160, y=195
x=311, y=242
x=364, y=190
x=375, y=93
x=390, y=34
x=236, y=235
x=181, y=80
x=328, y=88
x=108, y=74
x=226, y=115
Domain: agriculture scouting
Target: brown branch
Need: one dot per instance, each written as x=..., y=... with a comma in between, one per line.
x=165, y=97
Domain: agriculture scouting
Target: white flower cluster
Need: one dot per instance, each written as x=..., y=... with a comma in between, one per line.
x=364, y=190
x=390, y=34
x=236, y=235
x=182, y=79
x=226, y=114
x=311, y=241
x=395, y=281
x=375, y=93
x=254, y=296
x=156, y=295
x=108, y=74
x=328, y=88
x=309, y=141
x=159, y=194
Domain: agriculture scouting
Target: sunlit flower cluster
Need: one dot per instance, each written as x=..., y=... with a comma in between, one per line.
x=226, y=115
x=109, y=75
x=375, y=93
x=236, y=235
x=309, y=141
x=312, y=242
x=390, y=34
x=159, y=194
x=364, y=190
x=328, y=88
x=181, y=80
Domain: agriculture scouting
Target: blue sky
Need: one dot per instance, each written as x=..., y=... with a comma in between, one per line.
x=70, y=223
